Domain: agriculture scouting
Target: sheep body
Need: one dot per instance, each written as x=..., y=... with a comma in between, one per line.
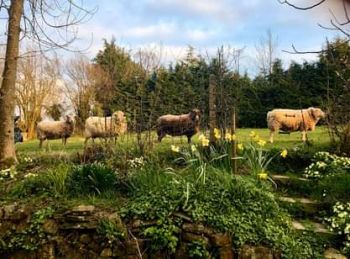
x=293, y=120
x=178, y=125
x=105, y=127
x=55, y=130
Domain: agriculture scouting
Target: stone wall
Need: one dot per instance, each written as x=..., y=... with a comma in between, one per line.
x=73, y=234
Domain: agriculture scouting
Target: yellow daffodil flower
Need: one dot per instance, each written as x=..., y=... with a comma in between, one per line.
x=262, y=175
x=284, y=153
x=175, y=149
x=205, y=142
x=252, y=134
x=201, y=137
x=230, y=137
x=217, y=133
x=193, y=148
x=240, y=146
x=261, y=142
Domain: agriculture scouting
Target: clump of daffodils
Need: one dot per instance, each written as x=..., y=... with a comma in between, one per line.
x=204, y=140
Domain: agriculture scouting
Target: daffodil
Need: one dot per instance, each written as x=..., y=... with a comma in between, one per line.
x=201, y=137
x=284, y=153
x=252, y=134
x=261, y=142
x=240, y=146
x=205, y=142
x=230, y=137
x=256, y=138
x=217, y=133
x=262, y=175
x=193, y=148
x=175, y=149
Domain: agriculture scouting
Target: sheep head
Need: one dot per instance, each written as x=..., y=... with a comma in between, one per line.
x=317, y=113
x=195, y=115
x=69, y=119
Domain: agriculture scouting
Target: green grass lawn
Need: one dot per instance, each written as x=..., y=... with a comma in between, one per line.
x=319, y=139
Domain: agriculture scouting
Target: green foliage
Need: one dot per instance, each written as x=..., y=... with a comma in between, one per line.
x=325, y=163
x=197, y=249
x=29, y=238
x=48, y=183
x=91, y=179
x=110, y=231
x=165, y=235
x=241, y=206
x=340, y=223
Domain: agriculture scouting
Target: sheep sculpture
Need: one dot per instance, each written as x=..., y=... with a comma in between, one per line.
x=55, y=130
x=289, y=120
x=105, y=127
x=178, y=125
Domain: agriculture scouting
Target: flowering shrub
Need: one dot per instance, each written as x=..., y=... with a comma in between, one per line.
x=325, y=163
x=137, y=162
x=340, y=222
x=8, y=173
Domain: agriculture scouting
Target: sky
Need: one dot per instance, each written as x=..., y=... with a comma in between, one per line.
x=170, y=26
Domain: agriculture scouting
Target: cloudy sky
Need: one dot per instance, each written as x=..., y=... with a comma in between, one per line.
x=206, y=25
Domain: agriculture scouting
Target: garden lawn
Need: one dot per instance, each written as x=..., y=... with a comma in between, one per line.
x=319, y=140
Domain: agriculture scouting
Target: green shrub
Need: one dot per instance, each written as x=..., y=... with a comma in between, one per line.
x=340, y=223
x=50, y=183
x=324, y=163
x=241, y=206
x=333, y=188
x=91, y=179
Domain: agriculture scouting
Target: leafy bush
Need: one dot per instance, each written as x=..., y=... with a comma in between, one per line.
x=241, y=206
x=297, y=160
x=52, y=182
x=110, y=230
x=92, y=179
x=340, y=223
x=324, y=163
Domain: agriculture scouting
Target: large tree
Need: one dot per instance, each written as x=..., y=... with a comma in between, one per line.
x=45, y=22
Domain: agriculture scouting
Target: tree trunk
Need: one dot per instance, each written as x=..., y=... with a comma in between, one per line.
x=7, y=90
x=212, y=108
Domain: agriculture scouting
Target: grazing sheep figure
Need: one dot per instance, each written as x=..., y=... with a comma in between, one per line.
x=178, y=125
x=293, y=120
x=55, y=130
x=105, y=127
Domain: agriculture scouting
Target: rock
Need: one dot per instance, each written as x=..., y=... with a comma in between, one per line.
x=246, y=252
x=8, y=210
x=197, y=229
x=50, y=226
x=250, y=252
x=85, y=239
x=81, y=209
x=190, y=237
x=220, y=239
x=134, y=247
x=47, y=251
x=226, y=253
x=263, y=252
x=106, y=252
x=332, y=253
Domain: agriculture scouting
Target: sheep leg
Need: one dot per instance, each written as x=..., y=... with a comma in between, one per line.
x=41, y=143
x=303, y=135
x=64, y=140
x=86, y=140
x=189, y=139
x=271, y=136
x=161, y=135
